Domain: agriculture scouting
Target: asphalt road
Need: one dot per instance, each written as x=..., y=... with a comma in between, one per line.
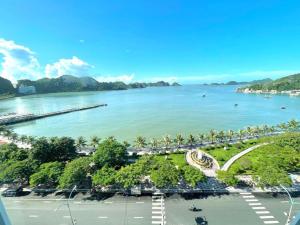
x=234, y=209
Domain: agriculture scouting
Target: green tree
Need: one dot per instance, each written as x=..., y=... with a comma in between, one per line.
x=75, y=173
x=55, y=149
x=128, y=176
x=110, y=152
x=140, y=142
x=94, y=142
x=201, y=138
x=179, y=140
x=17, y=171
x=154, y=143
x=80, y=142
x=192, y=176
x=230, y=134
x=104, y=177
x=212, y=134
x=271, y=175
x=48, y=174
x=165, y=174
x=227, y=177
x=167, y=141
x=191, y=140
x=293, y=125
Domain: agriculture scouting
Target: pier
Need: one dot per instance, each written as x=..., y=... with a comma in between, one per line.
x=13, y=118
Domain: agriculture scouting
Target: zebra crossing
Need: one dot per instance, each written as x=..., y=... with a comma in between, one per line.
x=259, y=209
x=158, y=209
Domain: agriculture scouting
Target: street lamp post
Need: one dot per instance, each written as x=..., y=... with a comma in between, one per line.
x=70, y=213
x=291, y=205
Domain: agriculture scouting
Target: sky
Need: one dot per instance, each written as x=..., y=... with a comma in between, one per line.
x=193, y=41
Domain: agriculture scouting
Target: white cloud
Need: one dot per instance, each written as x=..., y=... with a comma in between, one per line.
x=124, y=78
x=73, y=66
x=19, y=62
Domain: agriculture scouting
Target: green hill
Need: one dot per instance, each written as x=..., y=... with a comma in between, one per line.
x=6, y=87
x=69, y=83
x=287, y=83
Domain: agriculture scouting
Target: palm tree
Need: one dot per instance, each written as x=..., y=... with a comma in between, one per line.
x=191, y=140
x=265, y=129
x=80, y=142
x=179, y=140
x=167, y=141
x=94, y=141
x=212, y=134
x=14, y=136
x=23, y=139
x=201, y=138
x=230, y=134
x=249, y=131
x=154, y=143
x=3, y=129
x=221, y=136
x=140, y=142
x=241, y=134
x=30, y=140
x=293, y=125
x=283, y=126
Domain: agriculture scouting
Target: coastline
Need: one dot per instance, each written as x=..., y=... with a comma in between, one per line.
x=5, y=140
x=269, y=92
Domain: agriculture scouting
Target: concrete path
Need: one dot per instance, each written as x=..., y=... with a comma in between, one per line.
x=209, y=172
x=239, y=155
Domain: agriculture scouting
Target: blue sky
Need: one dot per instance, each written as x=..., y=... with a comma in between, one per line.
x=188, y=41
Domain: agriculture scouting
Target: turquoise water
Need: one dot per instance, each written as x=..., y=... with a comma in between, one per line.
x=151, y=112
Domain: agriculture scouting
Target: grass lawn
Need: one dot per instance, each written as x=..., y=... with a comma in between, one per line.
x=222, y=155
x=178, y=159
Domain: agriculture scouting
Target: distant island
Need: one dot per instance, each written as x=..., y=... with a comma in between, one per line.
x=68, y=83
x=242, y=82
x=285, y=85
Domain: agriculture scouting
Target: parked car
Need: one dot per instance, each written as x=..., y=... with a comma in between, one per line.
x=12, y=192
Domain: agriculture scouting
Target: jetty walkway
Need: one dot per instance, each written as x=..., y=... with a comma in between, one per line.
x=14, y=118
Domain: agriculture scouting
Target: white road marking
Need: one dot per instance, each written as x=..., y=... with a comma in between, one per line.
x=156, y=207
x=16, y=201
x=108, y=202
x=157, y=203
x=254, y=203
x=102, y=217
x=271, y=222
x=246, y=193
x=47, y=201
x=156, y=222
x=259, y=207
x=266, y=217
x=66, y=217
x=77, y=202
x=139, y=202
x=156, y=217
x=248, y=196
x=33, y=216
x=138, y=217
x=262, y=212
x=156, y=212
x=251, y=200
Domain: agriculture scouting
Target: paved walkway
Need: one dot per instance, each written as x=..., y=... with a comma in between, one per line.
x=209, y=172
x=239, y=155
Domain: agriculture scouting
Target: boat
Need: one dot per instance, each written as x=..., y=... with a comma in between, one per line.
x=235, y=105
x=283, y=107
x=203, y=96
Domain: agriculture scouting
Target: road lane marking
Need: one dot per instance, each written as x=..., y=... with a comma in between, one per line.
x=139, y=202
x=262, y=212
x=156, y=212
x=33, y=216
x=246, y=193
x=271, y=222
x=256, y=203
x=266, y=217
x=156, y=222
x=108, y=202
x=102, y=217
x=138, y=217
x=67, y=217
x=157, y=208
x=262, y=207
x=77, y=202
